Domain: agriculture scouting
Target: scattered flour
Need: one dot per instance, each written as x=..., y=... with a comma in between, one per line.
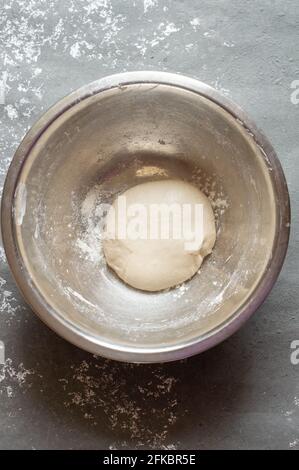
x=79, y=48
x=148, y=4
x=12, y=113
x=168, y=28
x=294, y=444
x=13, y=377
x=89, y=243
x=216, y=84
x=2, y=256
x=75, y=50
x=142, y=414
x=228, y=44
x=9, y=304
x=213, y=189
x=189, y=47
x=179, y=291
x=195, y=22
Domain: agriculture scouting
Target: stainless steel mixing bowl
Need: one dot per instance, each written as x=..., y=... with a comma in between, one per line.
x=110, y=135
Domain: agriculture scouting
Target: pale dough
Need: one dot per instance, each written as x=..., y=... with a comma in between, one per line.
x=153, y=265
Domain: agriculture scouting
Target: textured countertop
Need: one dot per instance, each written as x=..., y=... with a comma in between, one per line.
x=243, y=393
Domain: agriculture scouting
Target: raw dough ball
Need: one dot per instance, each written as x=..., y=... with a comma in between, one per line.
x=156, y=264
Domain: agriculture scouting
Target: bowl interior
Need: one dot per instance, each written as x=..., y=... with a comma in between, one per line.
x=107, y=143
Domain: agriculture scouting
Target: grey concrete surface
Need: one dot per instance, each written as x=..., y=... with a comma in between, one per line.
x=245, y=392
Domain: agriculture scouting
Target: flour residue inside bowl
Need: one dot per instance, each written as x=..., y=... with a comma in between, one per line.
x=90, y=241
